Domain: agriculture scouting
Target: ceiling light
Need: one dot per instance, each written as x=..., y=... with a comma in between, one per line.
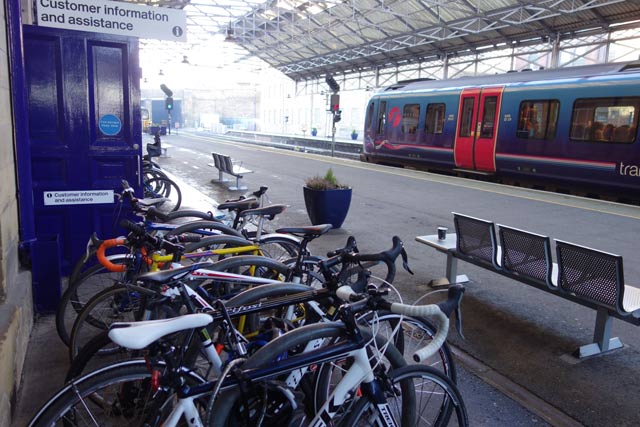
x=161, y=73
x=185, y=60
x=229, y=37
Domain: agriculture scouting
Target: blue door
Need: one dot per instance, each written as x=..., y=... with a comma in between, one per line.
x=84, y=134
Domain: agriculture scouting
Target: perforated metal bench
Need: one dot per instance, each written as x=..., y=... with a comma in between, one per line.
x=583, y=275
x=225, y=164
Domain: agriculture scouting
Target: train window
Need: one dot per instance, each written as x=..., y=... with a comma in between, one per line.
x=467, y=117
x=538, y=119
x=434, y=122
x=382, y=117
x=489, y=116
x=369, y=115
x=410, y=117
x=605, y=119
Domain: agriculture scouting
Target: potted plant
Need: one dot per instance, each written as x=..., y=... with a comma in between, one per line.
x=327, y=200
x=314, y=131
x=354, y=135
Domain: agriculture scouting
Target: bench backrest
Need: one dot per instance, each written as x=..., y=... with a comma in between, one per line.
x=476, y=239
x=216, y=160
x=228, y=164
x=591, y=274
x=526, y=255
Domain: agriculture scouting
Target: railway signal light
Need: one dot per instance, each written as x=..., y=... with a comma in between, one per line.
x=166, y=90
x=168, y=103
x=334, y=102
x=335, y=87
x=337, y=116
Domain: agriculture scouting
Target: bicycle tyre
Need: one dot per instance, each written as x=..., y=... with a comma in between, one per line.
x=80, y=291
x=103, y=390
x=163, y=188
x=204, y=228
x=437, y=400
x=114, y=304
x=279, y=247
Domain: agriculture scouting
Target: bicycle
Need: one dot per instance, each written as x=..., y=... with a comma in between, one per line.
x=262, y=295
x=174, y=397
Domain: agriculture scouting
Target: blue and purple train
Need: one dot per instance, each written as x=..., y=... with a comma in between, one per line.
x=573, y=128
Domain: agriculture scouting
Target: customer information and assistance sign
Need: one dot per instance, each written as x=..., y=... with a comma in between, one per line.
x=82, y=197
x=112, y=17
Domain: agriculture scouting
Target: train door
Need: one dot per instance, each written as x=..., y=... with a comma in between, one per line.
x=477, y=129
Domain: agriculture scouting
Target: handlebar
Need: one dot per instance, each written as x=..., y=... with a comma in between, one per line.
x=102, y=258
x=349, y=255
x=440, y=312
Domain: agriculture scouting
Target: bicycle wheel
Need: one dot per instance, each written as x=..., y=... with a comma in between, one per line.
x=79, y=291
x=278, y=247
x=114, y=304
x=410, y=334
x=119, y=395
x=204, y=228
x=437, y=401
x=230, y=409
x=163, y=188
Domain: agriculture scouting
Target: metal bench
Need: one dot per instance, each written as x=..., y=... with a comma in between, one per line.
x=225, y=164
x=583, y=275
x=597, y=278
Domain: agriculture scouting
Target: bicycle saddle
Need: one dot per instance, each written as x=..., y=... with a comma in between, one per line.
x=268, y=212
x=307, y=231
x=239, y=205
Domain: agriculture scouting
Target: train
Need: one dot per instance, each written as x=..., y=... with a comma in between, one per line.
x=567, y=129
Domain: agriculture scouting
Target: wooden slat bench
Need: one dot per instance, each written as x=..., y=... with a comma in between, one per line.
x=225, y=164
x=583, y=275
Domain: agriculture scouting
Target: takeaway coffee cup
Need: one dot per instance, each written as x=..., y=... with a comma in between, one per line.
x=442, y=233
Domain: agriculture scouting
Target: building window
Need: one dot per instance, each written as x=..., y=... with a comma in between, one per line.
x=605, y=119
x=434, y=122
x=538, y=119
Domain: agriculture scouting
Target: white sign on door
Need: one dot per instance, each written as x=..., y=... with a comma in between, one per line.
x=100, y=16
x=82, y=197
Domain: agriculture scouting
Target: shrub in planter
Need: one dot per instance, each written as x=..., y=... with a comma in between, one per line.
x=327, y=200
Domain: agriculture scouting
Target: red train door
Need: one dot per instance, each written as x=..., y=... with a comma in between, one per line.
x=477, y=130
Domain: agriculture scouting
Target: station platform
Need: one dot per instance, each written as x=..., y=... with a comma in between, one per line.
x=515, y=362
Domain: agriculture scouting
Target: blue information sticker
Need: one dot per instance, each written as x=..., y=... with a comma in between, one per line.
x=110, y=125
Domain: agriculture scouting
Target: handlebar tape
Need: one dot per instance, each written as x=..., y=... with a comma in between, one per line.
x=442, y=324
x=106, y=263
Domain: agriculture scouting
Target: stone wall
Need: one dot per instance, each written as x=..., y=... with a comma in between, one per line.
x=16, y=308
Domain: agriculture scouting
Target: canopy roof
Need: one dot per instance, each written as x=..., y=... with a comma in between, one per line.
x=309, y=39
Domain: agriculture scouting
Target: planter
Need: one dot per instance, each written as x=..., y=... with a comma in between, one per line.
x=354, y=136
x=153, y=130
x=327, y=206
x=314, y=132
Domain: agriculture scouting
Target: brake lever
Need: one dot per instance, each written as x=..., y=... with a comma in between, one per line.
x=405, y=261
x=458, y=314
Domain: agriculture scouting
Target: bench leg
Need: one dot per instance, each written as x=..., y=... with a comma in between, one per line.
x=452, y=271
x=221, y=177
x=602, y=340
x=238, y=187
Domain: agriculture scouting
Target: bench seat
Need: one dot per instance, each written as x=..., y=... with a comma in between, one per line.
x=580, y=274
